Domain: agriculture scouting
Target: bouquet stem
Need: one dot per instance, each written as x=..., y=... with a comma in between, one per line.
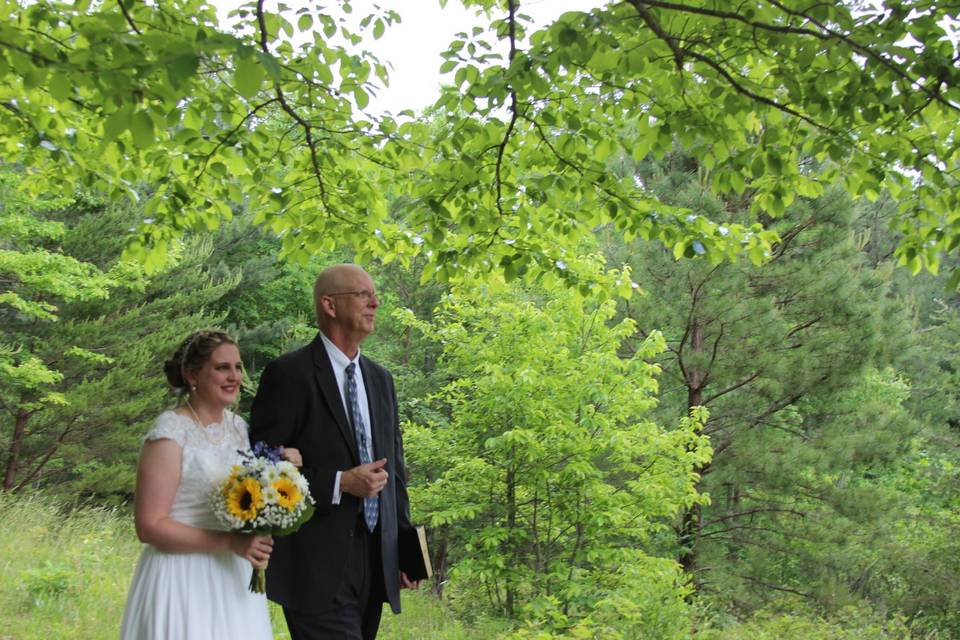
x=258, y=581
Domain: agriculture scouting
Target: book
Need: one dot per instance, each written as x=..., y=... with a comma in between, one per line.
x=414, y=555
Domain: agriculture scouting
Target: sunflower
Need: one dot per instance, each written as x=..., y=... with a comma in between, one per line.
x=289, y=494
x=244, y=499
x=236, y=472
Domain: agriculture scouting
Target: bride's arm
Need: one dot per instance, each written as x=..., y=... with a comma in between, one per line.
x=158, y=476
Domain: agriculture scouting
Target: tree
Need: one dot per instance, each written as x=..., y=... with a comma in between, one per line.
x=790, y=360
x=119, y=93
x=547, y=478
x=37, y=278
x=105, y=354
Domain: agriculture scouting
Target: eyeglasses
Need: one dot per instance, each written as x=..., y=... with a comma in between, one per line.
x=364, y=294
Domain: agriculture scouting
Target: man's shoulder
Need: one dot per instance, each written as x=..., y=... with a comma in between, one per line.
x=295, y=358
x=374, y=366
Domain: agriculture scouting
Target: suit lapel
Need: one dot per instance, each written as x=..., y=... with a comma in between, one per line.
x=374, y=396
x=331, y=394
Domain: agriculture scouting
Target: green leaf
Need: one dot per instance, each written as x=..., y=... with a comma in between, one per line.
x=954, y=282
x=568, y=36
x=60, y=86
x=273, y=68
x=116, y=123
x=679, y=249
x=181, y=68
x=248, y=76
x=361, y=97
x=141, y=126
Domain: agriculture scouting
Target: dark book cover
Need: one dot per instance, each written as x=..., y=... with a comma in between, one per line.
x=414, y=555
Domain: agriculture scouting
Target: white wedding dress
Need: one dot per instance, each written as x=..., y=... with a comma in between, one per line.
x=196, y=596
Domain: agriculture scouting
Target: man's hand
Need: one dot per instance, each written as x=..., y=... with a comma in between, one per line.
x=407, y=583
x=292, y=456
x=366, y=480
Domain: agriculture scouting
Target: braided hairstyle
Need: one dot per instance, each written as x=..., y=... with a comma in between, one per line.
x=192, y=353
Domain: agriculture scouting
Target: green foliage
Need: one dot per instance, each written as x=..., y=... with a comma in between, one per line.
x=776, y=623
x=270, y=310
x=97, y=364
x=547, y=478
x=752, y=91
x=801, y=424
x=36, y=276
x=518, y=169
x=117, y=95
x=52, y=580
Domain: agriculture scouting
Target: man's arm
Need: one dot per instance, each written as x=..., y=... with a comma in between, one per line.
x=276, y=418
x=399, y=465
x=403, y=500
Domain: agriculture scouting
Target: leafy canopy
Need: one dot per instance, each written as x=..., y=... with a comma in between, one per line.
x=523, y=154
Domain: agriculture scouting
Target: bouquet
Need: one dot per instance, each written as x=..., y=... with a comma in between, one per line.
x=263, y=495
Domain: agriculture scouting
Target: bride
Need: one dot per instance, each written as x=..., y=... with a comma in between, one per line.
x=191, y=580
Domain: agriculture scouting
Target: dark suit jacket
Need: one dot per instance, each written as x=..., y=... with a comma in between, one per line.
x=299, y=405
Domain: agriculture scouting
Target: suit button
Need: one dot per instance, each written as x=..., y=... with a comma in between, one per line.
x=351, y=533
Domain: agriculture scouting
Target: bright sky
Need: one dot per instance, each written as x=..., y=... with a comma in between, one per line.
x=413, y=47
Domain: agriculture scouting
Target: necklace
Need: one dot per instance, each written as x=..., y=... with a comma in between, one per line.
x=203, y=428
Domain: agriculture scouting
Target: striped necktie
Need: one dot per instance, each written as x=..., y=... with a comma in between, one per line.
x=371, y=505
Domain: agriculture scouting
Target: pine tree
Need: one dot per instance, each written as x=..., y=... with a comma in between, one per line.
x=783, y=356
x=87, y=442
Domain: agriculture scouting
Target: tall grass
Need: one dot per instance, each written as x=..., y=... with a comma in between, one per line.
x=64, y=573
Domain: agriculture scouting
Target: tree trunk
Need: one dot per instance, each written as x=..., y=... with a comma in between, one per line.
x=13, y=454
x=689, y=534
x=407, y=341
x=439, y=560
x=511, y=528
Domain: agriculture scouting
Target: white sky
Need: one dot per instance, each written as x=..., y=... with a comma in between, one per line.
x=413, y=47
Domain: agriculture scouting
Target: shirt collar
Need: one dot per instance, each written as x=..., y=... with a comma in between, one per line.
x=337, y=357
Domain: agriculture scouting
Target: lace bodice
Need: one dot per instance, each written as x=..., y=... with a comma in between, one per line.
x=208, y=454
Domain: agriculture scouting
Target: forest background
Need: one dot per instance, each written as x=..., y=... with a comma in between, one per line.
x=668, y=292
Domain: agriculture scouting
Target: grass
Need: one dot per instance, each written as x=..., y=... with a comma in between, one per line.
x=65, y=573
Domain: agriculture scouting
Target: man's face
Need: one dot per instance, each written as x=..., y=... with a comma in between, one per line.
x=356, y=303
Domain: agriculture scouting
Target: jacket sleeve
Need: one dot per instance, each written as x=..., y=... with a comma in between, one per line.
x=403, y=500
x=276, y=418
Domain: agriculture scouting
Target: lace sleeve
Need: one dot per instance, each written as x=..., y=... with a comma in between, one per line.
x=167, y=425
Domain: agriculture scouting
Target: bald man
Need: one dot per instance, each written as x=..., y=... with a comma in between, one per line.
x=339, y=409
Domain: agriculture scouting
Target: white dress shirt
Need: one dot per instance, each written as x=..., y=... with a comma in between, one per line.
x=339, y=361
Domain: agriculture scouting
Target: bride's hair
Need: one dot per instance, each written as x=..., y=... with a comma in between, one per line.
x=191, y=354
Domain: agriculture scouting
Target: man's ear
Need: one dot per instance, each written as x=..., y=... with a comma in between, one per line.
x=327, y=307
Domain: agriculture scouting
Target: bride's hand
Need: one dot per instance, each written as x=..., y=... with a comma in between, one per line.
x=254, y=549
x=292, y=456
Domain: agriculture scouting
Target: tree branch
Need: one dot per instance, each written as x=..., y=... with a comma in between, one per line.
x=733, y=387
x=227, y=137
x=748, y=512
x=655, y=26
x=501, y=150
x=307, y=128
x=129, y=18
